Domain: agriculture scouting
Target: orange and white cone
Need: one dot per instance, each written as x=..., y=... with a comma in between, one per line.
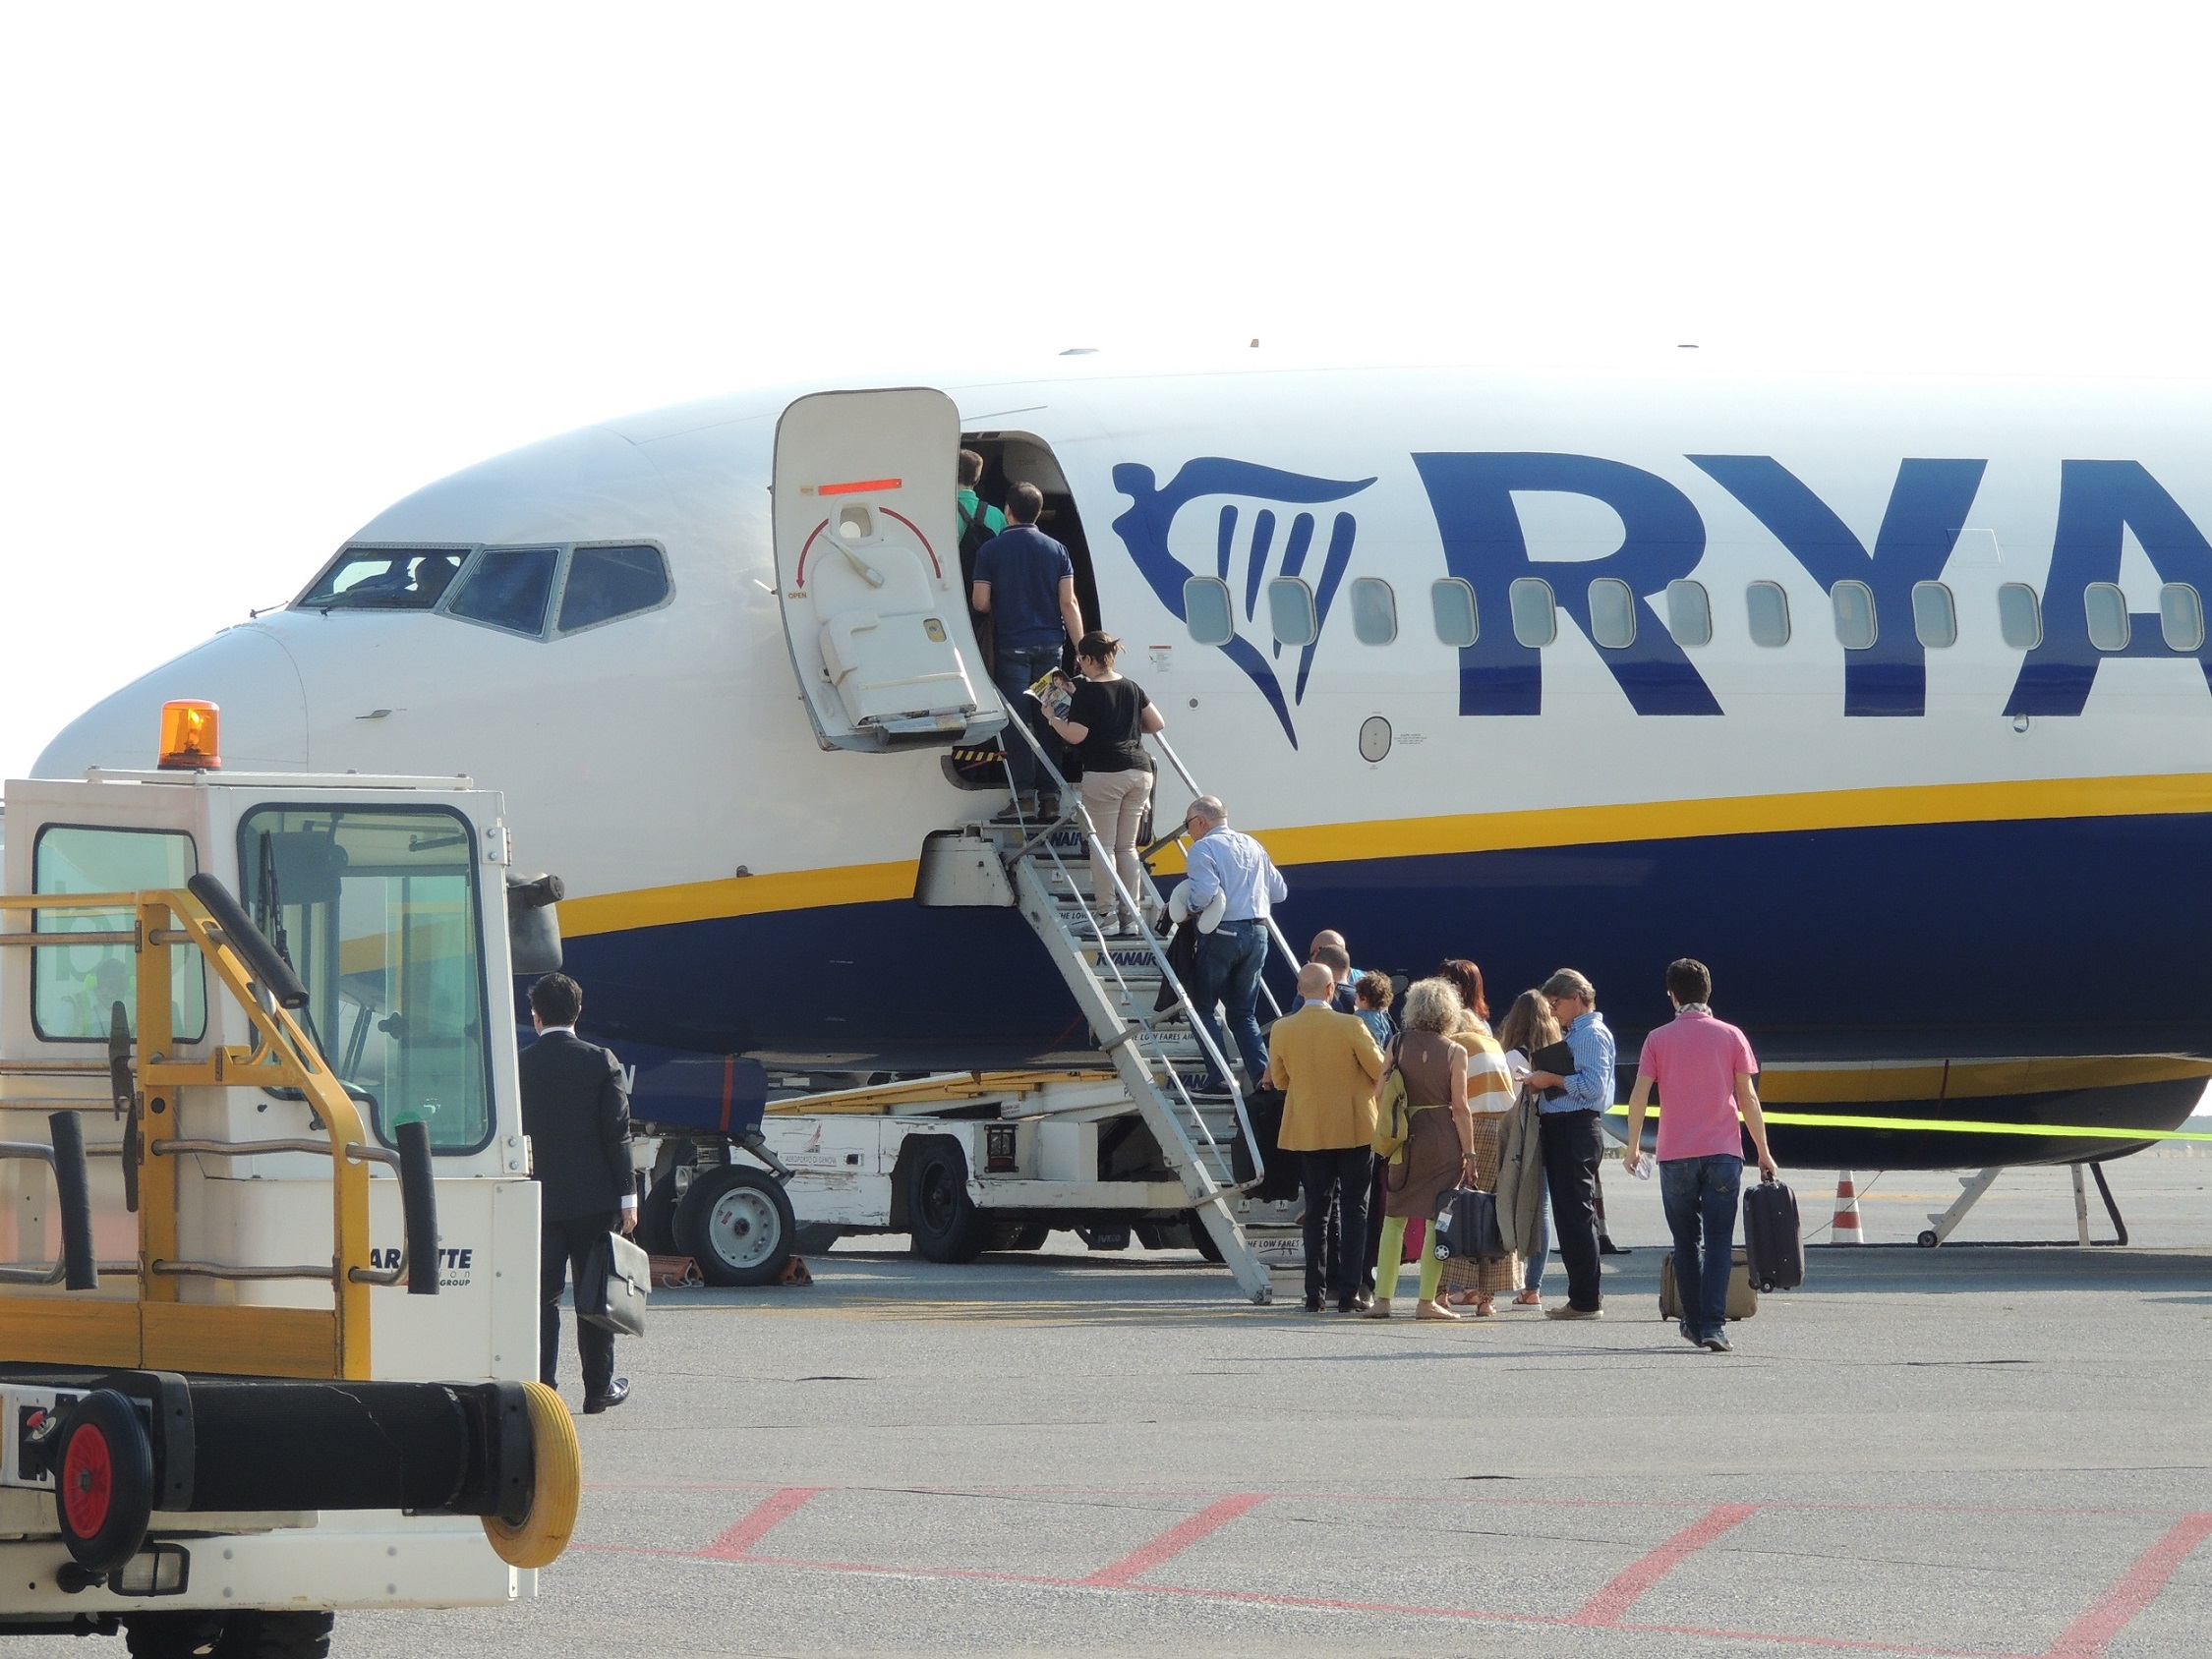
x=1846, y=1228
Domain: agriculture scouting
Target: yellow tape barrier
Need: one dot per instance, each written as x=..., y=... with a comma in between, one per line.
x=1959, y=1126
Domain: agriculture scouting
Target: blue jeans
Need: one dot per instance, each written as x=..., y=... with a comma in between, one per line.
x=1014, y=670
x=1699, y=1195
x=1228, y=962
x=1532, y=1275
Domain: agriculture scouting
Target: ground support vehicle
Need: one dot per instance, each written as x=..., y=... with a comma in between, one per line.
x=268, y=1313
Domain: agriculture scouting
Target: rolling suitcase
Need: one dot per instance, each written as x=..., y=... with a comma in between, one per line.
x=1771, y=1245
x=1743, y=1297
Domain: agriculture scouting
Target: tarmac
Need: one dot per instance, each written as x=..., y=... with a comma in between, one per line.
x=1971, y=1450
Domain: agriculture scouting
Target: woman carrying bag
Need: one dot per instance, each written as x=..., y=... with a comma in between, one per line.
x=1470, y=1280
x=1437, y=1155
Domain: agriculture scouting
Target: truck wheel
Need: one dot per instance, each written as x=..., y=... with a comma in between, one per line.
x=251, y=1633
x=945, y=1224
x=556, y=1486
x=736, y=1222
x=1020, y=1235
x=173, y=1635
x=104, y=1494
x=656, y=1218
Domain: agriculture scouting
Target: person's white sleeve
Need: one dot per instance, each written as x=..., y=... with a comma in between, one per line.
x=629, y=1201
x=1278, y=889
x=1205, y=880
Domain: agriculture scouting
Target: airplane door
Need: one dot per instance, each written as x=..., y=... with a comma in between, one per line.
x=868, y=571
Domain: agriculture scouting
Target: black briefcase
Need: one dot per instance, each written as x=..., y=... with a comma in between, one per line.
x=614, y=1286
x=1264, y=1107
x=1467, y=1227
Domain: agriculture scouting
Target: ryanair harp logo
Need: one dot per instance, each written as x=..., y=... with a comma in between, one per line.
x=1257, y=560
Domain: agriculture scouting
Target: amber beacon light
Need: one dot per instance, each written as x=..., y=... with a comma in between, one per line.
x=191, y=736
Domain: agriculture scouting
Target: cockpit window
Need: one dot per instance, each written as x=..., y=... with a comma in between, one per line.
x=604, y=583
x=508, y=588
x=386, y=579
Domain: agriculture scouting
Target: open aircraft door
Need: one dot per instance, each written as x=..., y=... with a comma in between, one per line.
x=868, y=571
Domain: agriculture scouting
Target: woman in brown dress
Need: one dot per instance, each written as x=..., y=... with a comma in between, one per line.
x=1489, y=1097
x=1435, y=1157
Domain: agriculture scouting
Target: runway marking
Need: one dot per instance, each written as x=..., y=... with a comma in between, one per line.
x=736, y=1542
x=2088, y=1636
x=1610, y=1604
x=1176, y=1539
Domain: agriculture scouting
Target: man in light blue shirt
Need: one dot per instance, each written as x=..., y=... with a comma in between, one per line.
x=1234, y=866
x=1573, y=1142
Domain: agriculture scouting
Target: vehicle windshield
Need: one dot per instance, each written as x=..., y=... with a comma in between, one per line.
x=386, y=579
x=376, y=908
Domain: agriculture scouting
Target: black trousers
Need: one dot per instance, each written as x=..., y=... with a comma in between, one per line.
x=1573, y=1145
x=1336, y=1218
x=562, y=1246
x=1372, y=1252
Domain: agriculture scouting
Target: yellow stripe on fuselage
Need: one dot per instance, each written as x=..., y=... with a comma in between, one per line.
x=1466, y=832
x=1831, y=1084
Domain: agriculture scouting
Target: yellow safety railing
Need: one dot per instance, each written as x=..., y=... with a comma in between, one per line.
x=158, y=1330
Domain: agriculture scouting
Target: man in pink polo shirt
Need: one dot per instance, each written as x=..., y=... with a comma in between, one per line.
x=1702, y=1068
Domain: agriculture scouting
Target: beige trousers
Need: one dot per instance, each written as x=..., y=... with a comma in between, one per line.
x=1116, y=801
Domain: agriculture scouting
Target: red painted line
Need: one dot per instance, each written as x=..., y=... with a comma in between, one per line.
x=2088, y=1636
x=1609, y=1605
x=858, y=486
x=736, y=1542
x=1175, y=1541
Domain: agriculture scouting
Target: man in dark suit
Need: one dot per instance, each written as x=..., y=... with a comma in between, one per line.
x=576, y=1112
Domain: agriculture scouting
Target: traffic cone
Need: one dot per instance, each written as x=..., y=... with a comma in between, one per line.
x=1846, y=1228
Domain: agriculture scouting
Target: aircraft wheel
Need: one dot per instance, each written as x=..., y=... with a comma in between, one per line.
x=656, y=1218
x=736, y=1222
x=556, y=1488
x=1928, y=1239
x=1202, y=1241
x=944, y=1222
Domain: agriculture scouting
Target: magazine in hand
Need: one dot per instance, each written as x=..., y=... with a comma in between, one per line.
x=1055, y=693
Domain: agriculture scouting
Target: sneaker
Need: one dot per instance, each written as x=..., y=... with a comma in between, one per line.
x=1718, y=1343
x=1682, y=1327
x=1567, y=1312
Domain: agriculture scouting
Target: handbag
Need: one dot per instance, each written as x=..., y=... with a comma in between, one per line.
x=1467, y=1227
x=614, y=1286
x=1393, y=1115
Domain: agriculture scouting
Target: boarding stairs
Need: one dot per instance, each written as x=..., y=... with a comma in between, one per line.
x=1160, y=1053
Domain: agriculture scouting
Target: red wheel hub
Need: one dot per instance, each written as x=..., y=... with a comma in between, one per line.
x=87, y=1482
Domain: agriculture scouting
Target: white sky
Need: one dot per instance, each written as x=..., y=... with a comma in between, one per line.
x=267, y=269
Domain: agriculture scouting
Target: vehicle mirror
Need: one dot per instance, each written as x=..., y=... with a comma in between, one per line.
x=534, y=923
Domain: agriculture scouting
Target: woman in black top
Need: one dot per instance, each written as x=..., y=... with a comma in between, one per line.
x=1106, y=721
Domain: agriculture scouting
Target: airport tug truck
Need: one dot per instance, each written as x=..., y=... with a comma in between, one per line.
x=268, y=1313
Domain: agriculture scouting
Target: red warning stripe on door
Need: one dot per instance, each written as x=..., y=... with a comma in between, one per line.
x=860, y=488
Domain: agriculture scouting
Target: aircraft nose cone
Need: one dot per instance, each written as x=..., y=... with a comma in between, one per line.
x=245, y=671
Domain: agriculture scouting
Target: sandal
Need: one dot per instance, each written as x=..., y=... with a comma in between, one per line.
x=1486, y=1310
x=1433, y=1310
x=1529, y=1298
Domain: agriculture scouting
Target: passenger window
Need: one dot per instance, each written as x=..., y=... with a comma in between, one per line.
x=1207, y=610
x=2107, y=608
x=386, y=579
x=508, y=588
x=1612, y=613
x=2180, y=616
x=1375, y=611
x=1290, y=612
x=2019, y=615
x=74, y=988
x=1451, y=604
x=1535, y=617
x=1689, y=613
x=1768, y=607
x=604, y=583
x=1935, y=617
x=1853, y=603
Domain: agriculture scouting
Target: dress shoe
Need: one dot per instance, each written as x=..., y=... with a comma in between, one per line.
x=617, y=1392
x=1313, y=1304
x=1607, y=1247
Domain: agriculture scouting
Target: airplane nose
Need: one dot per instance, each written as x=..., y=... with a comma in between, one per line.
x=245, y=671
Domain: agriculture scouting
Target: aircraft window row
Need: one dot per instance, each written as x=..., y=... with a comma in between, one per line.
x=511, y=589
x=1209, y=610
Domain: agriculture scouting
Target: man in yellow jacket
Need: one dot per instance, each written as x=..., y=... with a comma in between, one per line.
x=1326, y=1064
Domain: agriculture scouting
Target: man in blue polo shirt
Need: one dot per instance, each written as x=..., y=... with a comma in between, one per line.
x=1026, y=583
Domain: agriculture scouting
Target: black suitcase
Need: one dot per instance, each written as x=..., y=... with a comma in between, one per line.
x=1264, y=1107
x=1467, y=1227
x=1772, y=1246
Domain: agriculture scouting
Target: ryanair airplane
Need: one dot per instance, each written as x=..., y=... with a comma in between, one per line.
x=1889, y=701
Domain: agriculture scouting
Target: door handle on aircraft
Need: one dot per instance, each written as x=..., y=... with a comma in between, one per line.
x=868, y=572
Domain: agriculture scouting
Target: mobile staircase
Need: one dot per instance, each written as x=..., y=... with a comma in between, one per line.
x=1140, y=1012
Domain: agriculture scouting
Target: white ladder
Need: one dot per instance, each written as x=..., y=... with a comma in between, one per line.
x=1116, y=982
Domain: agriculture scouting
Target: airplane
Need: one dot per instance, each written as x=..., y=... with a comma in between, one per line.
x=1890, y=700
